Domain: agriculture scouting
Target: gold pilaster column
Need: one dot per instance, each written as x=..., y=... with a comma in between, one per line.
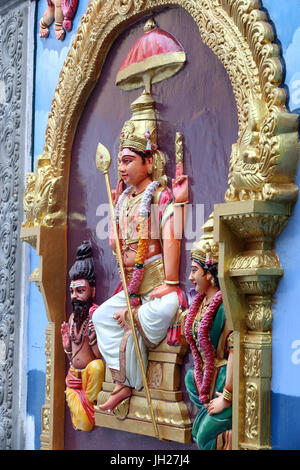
x=250, y=277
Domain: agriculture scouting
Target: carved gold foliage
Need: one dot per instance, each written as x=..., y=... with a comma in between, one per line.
x=252, y=363
x=256, y=226
x=125, y=6
x=47, y=407
x=46, y=419
x=154, y=374
x=251, y=411
x=259, y=316
x=262, y=286
x=48, y=353
x=43, y=196
x=238, y=33
x=255, y=260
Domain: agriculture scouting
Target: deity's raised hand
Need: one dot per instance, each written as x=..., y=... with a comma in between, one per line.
x=180, y=186
x=65, y=333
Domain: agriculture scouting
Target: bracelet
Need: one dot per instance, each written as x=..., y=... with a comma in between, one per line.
x=67, y=352
x=227, y=395
x=180, y=203
x=93, y=342
x=171, y=283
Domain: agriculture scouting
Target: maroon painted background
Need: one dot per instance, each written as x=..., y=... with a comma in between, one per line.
x=199, y=103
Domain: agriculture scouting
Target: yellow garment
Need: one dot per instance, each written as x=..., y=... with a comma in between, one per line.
x=92, y=377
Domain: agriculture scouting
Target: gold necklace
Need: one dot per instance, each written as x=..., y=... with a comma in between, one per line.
x=202, y=309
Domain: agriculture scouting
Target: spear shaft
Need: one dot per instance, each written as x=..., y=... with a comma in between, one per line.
x=103, y=160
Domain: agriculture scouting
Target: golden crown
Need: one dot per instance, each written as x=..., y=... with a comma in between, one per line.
x=140, y=131
x=206, y=248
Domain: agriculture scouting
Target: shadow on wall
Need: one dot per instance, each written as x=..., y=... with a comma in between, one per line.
x=35, y=400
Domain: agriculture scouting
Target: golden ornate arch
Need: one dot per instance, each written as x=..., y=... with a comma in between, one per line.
x=259, y=198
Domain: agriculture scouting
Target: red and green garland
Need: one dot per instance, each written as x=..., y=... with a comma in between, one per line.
x=203, y=380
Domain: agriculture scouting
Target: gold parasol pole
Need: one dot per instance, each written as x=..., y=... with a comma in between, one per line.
x=103, y=161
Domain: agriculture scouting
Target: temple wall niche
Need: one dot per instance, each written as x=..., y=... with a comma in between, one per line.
x=201, y=108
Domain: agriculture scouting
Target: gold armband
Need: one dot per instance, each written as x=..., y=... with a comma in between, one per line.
x=171, y=283
x=67, y=352
x=227, y=395
x=93, y=342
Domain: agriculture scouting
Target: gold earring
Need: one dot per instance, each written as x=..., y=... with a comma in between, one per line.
x=210, y=278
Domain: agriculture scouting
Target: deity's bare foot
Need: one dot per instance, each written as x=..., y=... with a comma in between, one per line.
x=44, y=29
x=59, y=31
x=118, y=395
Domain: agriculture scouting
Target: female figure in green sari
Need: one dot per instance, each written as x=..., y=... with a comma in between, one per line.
x=209, y=382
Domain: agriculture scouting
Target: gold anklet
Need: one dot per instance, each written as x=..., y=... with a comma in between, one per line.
x=43, y=24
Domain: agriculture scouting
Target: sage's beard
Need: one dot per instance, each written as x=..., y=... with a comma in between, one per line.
x=81, y=310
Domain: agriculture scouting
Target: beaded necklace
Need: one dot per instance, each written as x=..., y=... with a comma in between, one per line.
x=76, y=338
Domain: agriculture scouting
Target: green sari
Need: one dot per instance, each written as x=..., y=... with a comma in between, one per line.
x=207, y=428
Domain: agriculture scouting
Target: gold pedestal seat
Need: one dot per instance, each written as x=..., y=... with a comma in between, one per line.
x=163, y=377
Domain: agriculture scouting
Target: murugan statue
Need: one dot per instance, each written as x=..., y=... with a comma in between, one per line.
x=86, y=371
x=62, y=12
x=210, y=381
x=144, y=211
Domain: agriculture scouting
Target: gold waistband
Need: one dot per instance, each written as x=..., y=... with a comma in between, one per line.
x=76, y=372
x=154, y=275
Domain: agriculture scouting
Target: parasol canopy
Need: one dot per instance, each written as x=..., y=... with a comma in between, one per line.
x=154, y=57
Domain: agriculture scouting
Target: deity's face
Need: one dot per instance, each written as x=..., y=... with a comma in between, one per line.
x=80, y=290
x=199, y=278
x=132, y=168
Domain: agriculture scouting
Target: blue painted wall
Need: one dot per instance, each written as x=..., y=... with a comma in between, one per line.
x=285, y=386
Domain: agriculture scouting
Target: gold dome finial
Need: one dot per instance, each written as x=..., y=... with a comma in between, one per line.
x=150, y=24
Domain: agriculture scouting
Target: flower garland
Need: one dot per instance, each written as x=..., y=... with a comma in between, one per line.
x=203, y=381
x=143, y=242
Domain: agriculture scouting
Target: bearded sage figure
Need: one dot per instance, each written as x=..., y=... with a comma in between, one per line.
x=86, y=371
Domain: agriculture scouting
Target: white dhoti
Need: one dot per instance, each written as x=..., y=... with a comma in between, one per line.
x=117, y=345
